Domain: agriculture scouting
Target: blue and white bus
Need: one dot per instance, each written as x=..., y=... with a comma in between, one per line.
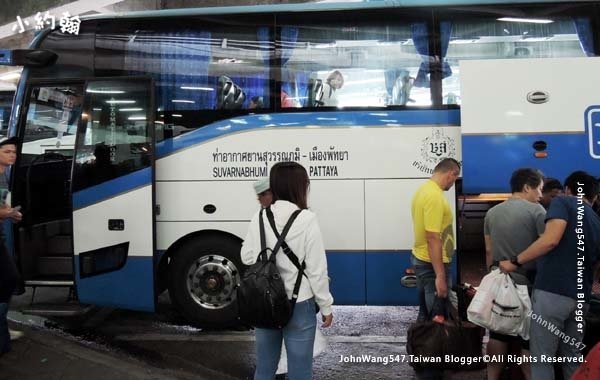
x=142, y=135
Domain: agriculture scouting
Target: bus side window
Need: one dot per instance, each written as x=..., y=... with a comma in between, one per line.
x=330, y=63
x=115, y=138
x=401, y=88
x=495, y=38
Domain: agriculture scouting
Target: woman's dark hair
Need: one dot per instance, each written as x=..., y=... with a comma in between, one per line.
x=289, y=182
x=525, y=176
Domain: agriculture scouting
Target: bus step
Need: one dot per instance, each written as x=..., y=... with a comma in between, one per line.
x=60, y=245
x=42, y=282
x=57, y=310
x=55, y=265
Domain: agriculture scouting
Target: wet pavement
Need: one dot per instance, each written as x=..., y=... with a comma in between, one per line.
x=161, y=345
x=43, y=354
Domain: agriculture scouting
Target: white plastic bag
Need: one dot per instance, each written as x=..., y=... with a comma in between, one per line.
x=507, y=309
x=501, y=306
x=479, y=311
x=527, y=308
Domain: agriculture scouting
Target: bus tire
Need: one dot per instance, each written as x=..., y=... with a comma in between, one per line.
x=203, y=275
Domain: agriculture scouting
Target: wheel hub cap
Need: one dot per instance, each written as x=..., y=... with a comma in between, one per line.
x=211, y=281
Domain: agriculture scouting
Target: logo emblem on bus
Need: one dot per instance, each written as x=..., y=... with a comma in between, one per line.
x=437, y=147
x=434, y=149
x=538, y=97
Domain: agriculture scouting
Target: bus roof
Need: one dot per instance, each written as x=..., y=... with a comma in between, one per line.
x=311, y=7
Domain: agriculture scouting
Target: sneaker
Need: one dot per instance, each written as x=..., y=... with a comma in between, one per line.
x=14, y=334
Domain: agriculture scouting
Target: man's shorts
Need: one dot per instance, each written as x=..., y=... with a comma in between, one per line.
x=509, y=339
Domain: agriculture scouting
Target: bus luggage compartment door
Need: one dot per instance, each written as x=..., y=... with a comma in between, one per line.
x=527, y=113
x=113, y=195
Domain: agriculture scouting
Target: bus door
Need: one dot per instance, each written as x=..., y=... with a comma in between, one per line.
x=113, y=195
x=42, y=181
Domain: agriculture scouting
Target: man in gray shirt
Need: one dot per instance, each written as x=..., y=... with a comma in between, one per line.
x=509, y=228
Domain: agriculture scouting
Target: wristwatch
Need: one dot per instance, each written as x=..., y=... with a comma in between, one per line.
x=514, y=260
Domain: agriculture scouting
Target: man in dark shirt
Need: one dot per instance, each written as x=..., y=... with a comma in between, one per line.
x=552, y=189
x=567, y=251
x=8, y=271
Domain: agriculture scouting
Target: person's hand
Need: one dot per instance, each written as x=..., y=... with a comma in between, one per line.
x=6, y=212
x=327, y=320
x=441, y=287
x=506, y=266
x=16, y=216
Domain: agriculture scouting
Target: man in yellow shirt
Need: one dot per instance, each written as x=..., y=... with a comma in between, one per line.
x=434, y=238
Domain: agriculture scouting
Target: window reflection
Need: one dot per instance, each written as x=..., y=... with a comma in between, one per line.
x=353, y=65
x=510, y=38
x=196, y=70
x=52, y=119
x=115, y=137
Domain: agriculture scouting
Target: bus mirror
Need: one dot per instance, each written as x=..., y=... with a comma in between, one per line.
x=27, y=57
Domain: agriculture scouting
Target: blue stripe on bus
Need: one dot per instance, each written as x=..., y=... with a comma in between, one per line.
x=372, y=278
x=384, y=272
x=109, y=189
x=347, y=273
x=489, y=160
x=129, y=287
x=309, y=119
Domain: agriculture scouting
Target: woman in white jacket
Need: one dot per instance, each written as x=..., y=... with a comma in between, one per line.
x=289, y=185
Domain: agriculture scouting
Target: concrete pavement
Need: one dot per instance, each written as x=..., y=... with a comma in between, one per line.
x=50, y=355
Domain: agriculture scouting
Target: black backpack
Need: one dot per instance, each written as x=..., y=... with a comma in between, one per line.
x=261, y=296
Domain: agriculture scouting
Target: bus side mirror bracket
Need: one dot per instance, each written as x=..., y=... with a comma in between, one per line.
x=27, y=57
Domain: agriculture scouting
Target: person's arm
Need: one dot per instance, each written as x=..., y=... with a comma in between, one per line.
x=489, y=257
x=555, y=229
x=316, y=270
x=433, y=214
x=434, y=247
x=251, y=244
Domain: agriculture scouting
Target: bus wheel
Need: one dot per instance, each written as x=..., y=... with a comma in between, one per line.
x=203, y=275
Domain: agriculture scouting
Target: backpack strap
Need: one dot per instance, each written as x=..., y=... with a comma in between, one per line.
x=287, y=250
x=281, y=238
x=262, y=256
